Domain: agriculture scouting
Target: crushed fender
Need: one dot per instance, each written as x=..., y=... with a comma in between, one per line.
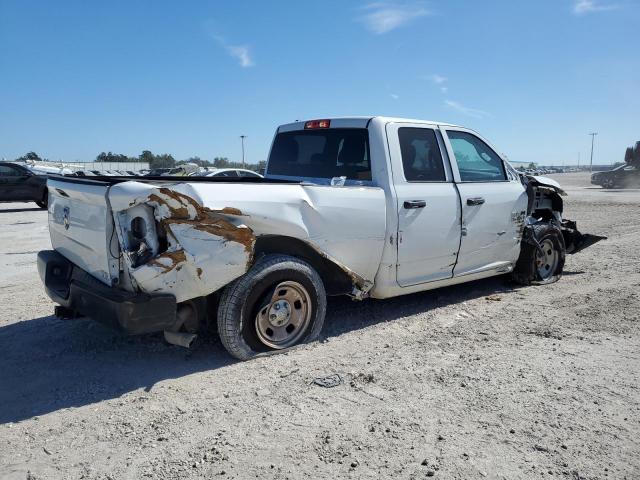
x=199, y=250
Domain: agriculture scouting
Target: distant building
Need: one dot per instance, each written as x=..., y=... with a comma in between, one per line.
x=522, y=164
x=67, y=168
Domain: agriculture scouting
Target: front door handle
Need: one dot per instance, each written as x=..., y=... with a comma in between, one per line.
x=410, y=204
x=475, y=201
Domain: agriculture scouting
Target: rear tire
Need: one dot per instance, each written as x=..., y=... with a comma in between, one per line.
x=280, y=302
x=542, y=255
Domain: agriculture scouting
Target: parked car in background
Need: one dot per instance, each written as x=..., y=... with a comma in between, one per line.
x=182, y=170
x=233, y=172
x=620, y=177
x=20, y=184
x=156, y=172
x=40, y=169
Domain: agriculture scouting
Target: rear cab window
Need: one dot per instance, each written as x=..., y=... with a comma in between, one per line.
x=322, y=155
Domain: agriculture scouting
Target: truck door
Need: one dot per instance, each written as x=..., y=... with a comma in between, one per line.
x=494, y=203
x=427, y=204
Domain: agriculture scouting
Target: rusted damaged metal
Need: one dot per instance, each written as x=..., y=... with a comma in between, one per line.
x=203, y=250
x=169, y=260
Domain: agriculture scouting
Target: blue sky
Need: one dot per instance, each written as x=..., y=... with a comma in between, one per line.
x=187, y=78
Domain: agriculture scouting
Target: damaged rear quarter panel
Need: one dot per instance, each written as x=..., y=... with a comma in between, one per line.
x=203, y=251
x=212, y=227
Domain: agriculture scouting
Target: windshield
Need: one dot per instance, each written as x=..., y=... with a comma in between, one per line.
x=327, y=153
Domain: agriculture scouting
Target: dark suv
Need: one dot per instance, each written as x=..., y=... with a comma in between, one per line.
x=622, y=176
x=19, y=184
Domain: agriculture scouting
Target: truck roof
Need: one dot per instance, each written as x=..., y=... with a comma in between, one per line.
x=357, y=122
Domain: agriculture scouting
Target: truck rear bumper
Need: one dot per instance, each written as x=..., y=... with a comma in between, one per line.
x=75, y=289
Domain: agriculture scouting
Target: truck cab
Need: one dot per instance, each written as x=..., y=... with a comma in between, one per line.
x=454, y=207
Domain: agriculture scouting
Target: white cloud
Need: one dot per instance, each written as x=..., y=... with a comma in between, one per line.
x=394, y=96
x=439, y=80
x=581, y=7
x=241, y=53
x=382, y=17
x=470, y=112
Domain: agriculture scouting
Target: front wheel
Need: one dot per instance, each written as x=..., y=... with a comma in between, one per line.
x=44, y=201
x=280, y=302
x=542, y=255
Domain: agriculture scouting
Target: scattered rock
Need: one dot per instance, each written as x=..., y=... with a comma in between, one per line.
x=329, y=381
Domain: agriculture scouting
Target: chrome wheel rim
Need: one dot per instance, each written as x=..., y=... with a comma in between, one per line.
x=284, y=319
x=547, y=259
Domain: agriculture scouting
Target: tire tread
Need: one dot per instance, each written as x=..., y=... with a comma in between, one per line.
x=233, y=297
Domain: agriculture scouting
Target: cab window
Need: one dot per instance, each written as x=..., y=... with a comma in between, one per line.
x=421, y=157
x=477, y=162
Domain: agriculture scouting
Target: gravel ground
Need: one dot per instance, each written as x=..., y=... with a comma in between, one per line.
x=482, y=380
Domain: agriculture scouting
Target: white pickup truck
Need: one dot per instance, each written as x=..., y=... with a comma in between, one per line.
x=367, y=207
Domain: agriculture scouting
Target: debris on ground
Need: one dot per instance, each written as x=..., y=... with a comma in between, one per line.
x=329, y=381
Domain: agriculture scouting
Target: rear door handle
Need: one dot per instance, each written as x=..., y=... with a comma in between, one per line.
x=410, y=204
x=475, y=201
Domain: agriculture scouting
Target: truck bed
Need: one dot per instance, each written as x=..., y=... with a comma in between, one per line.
x=190, y=236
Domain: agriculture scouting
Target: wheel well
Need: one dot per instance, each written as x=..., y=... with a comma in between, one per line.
x=335, y=279
x=543, y=202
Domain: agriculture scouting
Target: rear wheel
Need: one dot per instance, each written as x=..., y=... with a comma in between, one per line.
x=542, y=255
x=280, y=302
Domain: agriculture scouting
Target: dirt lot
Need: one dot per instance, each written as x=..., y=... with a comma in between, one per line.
x=481, y=380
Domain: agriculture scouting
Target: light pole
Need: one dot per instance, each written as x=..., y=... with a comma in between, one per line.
x=593, y=136
x=242, y=137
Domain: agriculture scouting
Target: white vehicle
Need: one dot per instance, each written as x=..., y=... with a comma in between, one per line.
x=182, y=170
x=367, y=207
x=232, y=172
x=39, y=169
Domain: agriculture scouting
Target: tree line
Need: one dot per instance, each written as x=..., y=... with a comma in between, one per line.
x=632, y=155
x=163, y=160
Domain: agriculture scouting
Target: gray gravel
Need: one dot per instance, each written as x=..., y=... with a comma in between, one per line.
x=481, y=380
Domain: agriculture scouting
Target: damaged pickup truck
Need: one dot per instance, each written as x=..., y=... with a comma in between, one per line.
x=366, y=207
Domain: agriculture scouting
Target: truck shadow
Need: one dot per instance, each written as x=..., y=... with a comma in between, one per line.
x=49, y=364
x=19, y=210
x=345, y=315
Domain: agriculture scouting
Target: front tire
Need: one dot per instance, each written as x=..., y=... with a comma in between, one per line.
x=44, y=201
x=280, y=302
x=542, y=255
